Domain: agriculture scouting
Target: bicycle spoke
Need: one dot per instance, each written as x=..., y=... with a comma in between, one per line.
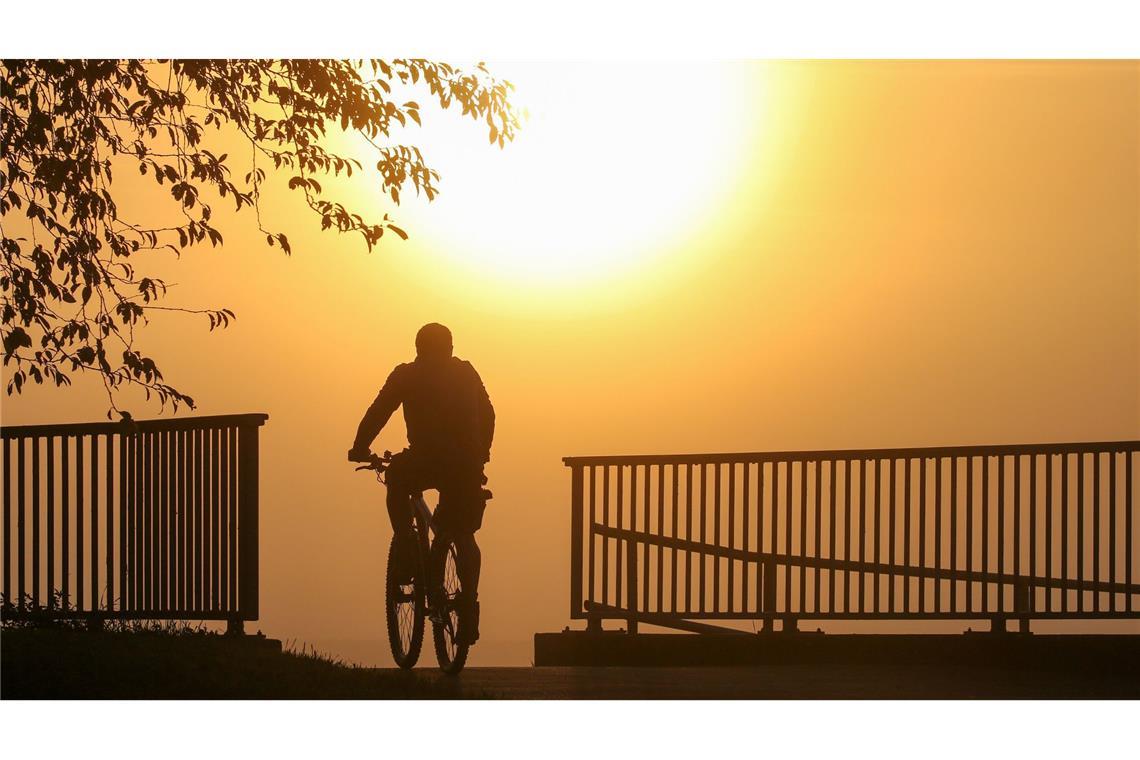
x=452, y=590
x=407, y=621
x=447, y=591
x=404, y=608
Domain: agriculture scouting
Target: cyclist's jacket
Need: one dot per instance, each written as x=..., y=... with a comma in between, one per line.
x=446, y=409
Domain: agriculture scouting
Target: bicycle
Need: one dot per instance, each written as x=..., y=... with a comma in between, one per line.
x=421, y=581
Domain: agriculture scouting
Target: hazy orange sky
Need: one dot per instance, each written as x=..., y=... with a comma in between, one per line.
x=717, y=257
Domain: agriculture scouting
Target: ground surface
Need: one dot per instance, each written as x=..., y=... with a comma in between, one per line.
x=66, y=664
x=790, y=682
x=50, y=663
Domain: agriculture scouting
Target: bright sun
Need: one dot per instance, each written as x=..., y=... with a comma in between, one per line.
x=615, y=163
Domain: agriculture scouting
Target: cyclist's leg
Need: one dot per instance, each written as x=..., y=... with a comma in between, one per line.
x=404, y=478
x=459, y=515
x=470, y=561
x=399, y=509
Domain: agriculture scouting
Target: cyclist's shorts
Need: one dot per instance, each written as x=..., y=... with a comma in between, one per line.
x=462, y=498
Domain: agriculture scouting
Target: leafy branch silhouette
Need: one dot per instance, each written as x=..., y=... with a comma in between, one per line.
x=72, y=299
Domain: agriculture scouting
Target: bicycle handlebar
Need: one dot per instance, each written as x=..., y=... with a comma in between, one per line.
x=376, y=462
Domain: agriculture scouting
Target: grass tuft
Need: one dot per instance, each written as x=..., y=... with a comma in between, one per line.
x=174, y=660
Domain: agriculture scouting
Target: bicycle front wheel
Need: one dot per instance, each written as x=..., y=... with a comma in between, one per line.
x=404, y=599
x=452, y=655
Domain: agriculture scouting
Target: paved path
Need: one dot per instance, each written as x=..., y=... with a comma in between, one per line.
x=781, y=682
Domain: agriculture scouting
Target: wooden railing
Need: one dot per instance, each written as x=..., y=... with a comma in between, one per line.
x=989, y=532
x=154, y=519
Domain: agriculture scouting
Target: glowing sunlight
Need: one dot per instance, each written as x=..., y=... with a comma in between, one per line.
x=615, y=164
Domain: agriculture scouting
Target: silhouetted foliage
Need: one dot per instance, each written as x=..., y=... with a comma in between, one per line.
x=72, y=300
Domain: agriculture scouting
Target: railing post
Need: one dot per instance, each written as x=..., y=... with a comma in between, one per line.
x=248, y=558
x=1023, y=603
x=631, y=583
x=576, y=519
x=768, y=598
x=7, y=526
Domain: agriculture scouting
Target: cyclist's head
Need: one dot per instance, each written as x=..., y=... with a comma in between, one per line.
x=433, y=341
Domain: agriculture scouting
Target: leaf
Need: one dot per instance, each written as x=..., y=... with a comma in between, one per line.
x=15, y=340
x=77, y=115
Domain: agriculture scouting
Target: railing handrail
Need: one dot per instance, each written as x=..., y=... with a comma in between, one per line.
x=145, y=426
x=842, y=454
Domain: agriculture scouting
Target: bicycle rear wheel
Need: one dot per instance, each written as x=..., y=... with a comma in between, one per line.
x=404, y=599
x=452, y=656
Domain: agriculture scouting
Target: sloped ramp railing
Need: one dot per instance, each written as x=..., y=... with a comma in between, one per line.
x=149, y=519
x=996, y=533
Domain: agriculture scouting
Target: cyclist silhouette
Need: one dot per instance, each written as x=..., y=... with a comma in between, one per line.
x=450, y=423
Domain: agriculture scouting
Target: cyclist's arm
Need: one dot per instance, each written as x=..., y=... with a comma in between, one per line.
x=486, y=412
x=488, y=420
x=379, y=412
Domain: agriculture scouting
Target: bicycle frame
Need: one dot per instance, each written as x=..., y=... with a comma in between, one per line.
x=421, y=514
x=434, y=594
x=420, y=509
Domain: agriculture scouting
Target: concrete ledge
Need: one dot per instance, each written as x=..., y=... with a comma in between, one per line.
x=1095, y=653
x=254, y=641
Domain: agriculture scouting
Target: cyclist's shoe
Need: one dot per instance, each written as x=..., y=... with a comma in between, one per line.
x=468, y=632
